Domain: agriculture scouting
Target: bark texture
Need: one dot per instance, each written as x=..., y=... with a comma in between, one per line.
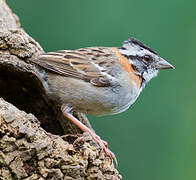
x=35, y=147
x=27, y=151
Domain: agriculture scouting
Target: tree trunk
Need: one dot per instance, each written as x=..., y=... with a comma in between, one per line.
x=33, y=144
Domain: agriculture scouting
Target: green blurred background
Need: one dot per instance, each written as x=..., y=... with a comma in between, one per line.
x=155, y=138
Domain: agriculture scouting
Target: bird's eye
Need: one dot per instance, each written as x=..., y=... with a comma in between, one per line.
x=147, y=58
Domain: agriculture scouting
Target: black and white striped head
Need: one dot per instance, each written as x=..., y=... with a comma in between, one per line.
x=143, y=59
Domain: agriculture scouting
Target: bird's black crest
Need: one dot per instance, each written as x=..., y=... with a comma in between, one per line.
x=136, y=42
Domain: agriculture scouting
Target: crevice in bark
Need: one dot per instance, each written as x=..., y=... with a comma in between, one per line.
x=22, y=91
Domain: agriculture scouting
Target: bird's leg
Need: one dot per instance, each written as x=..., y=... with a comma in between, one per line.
x=103, y=144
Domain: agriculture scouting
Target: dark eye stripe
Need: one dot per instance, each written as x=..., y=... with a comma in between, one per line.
x=135, y=57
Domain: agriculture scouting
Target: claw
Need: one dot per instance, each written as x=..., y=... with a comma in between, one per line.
x=102, y=144
x=78, y=140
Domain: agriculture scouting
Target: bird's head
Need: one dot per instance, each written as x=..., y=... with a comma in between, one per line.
x=145, y=62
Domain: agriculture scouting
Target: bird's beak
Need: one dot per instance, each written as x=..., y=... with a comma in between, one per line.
x=163, y=64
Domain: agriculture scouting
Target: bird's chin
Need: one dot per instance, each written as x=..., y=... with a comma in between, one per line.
x=148, y=75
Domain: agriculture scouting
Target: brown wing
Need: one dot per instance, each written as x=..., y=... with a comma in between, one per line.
x=89, y=64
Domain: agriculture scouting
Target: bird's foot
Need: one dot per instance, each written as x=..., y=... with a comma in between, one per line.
x=101, y=143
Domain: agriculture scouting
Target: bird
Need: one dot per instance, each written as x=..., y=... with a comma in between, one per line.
x=98, y=80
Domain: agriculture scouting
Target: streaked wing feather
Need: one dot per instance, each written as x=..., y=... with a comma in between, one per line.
x=80, y=64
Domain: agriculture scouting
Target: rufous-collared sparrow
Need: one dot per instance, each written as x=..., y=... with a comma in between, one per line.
x=99, y=80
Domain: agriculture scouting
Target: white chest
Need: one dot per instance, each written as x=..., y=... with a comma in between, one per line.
x=126, y=99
